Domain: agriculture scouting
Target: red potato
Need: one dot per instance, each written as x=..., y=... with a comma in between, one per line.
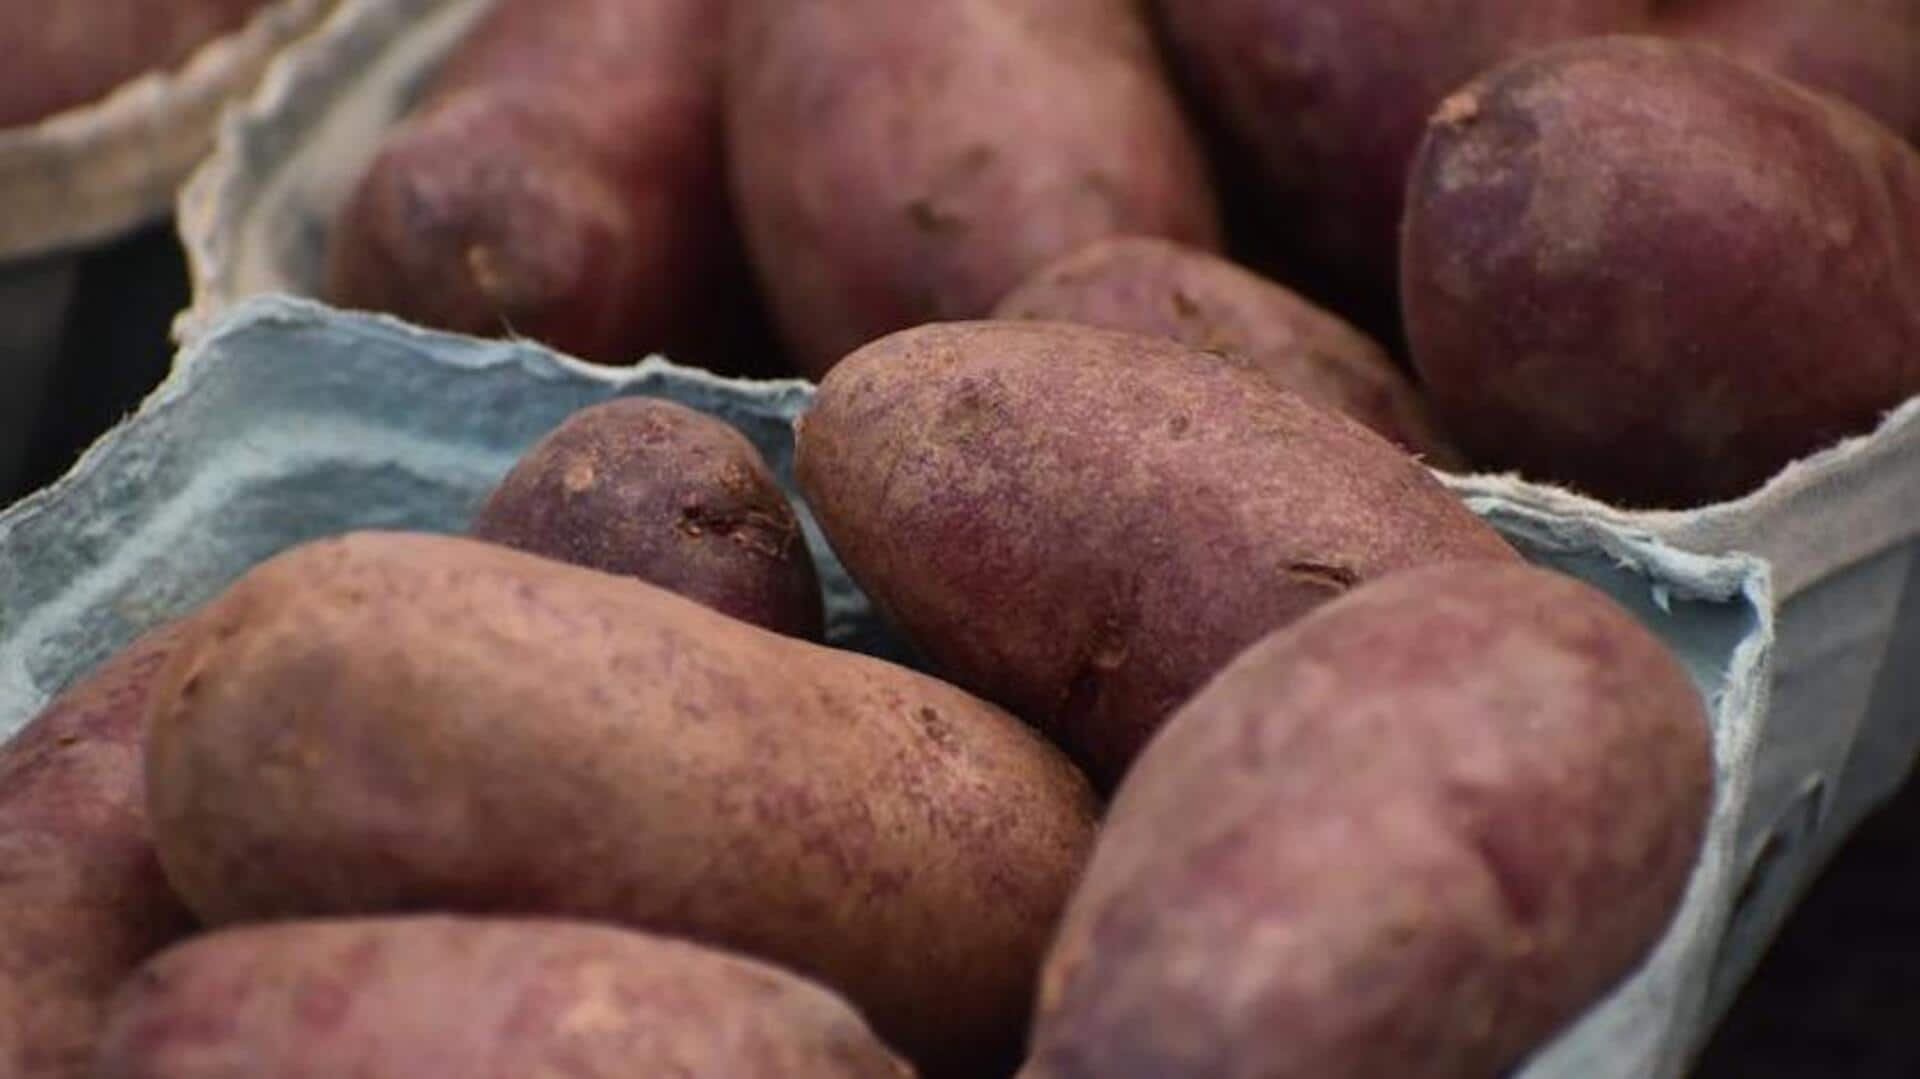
x=390, y=722
x=897, y=163
x=1647, y=271
x=83, y=900
x=421, y=997
x=1085, y=525
x=562, y=180
x=1141, y=285
x=69, y=53
x=1410, y=836
x=1330, y=99
x=650, y=489
x=1866, y=52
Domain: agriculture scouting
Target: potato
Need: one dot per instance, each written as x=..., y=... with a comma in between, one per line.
x=562, y=180
x=410, y=997
x=1084, y=525
x=1863, y=51
x=74, y=52
x=391, y=722
x=1329, y=99
x=647, y=488
x=1142, y=285
x=82, y=897
x=1649, y=272
x=1410, y=836
x=898, y=163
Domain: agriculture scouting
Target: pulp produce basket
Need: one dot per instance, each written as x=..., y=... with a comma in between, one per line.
x=1840, y=530
x=286, y=421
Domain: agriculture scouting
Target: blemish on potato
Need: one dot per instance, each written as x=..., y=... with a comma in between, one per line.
x=933, y=220
x=1460, y=108
x=579, y=475
x=488, y=275
x=938, y=730
x=1330, y=577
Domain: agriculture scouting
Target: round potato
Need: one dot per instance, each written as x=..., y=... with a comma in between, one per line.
x=1649, y=272
x=648, y=488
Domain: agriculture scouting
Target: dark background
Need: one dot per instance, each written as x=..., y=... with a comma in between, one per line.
x=1838, y=996
x=114, y=349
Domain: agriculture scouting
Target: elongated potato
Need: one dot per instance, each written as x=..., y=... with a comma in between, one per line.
x=647, y=488
x=388, y=722
x=74, y=52
x=1086, y=525
x=896, y=163
x=562, y=180
x=408, y=998
x=82, y=897
x=1410, y=836
x=1137, y=284
x=1655, y=274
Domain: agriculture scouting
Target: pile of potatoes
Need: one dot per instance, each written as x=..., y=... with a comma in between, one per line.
x=1242, y=748
x=1232, y=758
x=1654, y=250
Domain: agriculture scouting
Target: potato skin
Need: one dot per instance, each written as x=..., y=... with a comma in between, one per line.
x=1142, y=285
x=1412, y=835
x=64, y=55
x=899, y=163
x=562, y=180
x=82, y=898
x=390, y=722
x=1657, y=275
x=1866, y=52
x=405, y=997
x=1085, y=525
x=1329, y=99
x=647, y=488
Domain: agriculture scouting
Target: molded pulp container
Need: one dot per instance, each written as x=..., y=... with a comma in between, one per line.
x=287, y=421
x=1840, y=530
